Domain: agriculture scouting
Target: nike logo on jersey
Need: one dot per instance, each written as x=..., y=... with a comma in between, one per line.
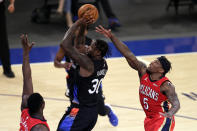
x=155, y=84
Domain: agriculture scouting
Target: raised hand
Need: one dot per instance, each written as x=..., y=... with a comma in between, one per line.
x=11, y=8
x=107, y=33
x=25, y=43
x=86, y=19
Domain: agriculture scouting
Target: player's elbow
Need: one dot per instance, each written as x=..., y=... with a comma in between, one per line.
x=55, y=63
x=91, y=69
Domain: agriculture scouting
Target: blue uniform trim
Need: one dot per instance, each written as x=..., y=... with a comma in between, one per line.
x=165, y=106
x=101, y=86
x=66, y=124
x=75, y=94
x=167, y=125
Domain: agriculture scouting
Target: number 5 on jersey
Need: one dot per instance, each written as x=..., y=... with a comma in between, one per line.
x=145, y=103
x=95, y=84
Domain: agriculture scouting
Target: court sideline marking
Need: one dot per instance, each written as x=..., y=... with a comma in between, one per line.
x=117, y=106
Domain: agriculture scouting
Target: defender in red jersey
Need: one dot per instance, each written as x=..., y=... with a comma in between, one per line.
x=156, y=92
x=32, y=105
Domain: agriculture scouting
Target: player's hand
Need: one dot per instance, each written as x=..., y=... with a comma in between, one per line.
x=84, y=21
x=25, y=43
x=59, y=10
x=88, y=17
x=167, y=114
x=107, y=33
x=11, y=8
x=67, y=65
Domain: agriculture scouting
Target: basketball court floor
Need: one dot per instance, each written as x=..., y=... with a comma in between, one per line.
x=120, y=87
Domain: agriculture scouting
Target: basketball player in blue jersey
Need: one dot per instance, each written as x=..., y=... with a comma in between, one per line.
x=71, y=69
x=92, y=69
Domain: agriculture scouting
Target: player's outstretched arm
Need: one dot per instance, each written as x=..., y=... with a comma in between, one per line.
x=168, y=89
x=83, y=60
x=124, y=50
x=27, y=79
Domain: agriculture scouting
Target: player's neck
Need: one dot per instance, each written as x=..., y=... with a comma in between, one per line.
x=155, y=76
x=38, y=115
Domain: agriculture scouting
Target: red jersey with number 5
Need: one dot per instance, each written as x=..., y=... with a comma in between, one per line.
x=151, y=99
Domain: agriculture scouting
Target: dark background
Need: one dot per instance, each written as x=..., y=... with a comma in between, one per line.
x=140, y=19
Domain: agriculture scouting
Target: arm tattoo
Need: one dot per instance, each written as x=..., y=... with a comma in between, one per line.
x=172, y=97
x=143, y=66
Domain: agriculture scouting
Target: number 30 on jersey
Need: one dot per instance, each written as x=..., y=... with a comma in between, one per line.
x=95, y=86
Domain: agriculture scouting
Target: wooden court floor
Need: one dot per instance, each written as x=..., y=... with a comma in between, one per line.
x=120, y=89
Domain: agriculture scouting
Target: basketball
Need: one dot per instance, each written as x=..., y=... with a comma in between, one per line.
x=92, y=11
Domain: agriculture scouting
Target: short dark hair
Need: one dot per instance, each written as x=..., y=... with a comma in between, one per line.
x=103, y=47
x=35, y=102
x=166, y=64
